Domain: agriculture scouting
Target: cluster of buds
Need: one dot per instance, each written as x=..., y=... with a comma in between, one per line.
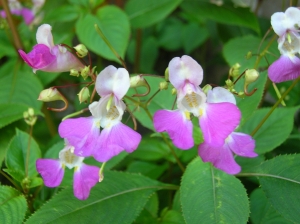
x=29, y=116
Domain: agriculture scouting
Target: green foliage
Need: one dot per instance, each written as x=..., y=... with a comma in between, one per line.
x=212, y=195
x=13, y=205
x=127, y=192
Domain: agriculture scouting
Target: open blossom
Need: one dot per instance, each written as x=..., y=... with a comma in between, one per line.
x=216, y=120
x=286, y=26
x=115, y=137
x=48, y=57
x=238, y=143
x=52, y=171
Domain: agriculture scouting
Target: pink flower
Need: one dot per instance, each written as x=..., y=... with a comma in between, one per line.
x=286, y=26
x=115, y=137
x=48, y=57
x=241, y=144
x=216, y=120
x=52, y=171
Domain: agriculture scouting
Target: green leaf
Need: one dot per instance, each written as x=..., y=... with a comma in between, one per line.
x=6, y=48
x=13, y=205
x=280, y=181
x=249, y=104
x=172, y=217
x=10, y=113
x=149, y=213
x=167, y=39
x=115, y=26
x=17, y=156
x=216, y=196
x=226, y=14
x=236, y=49
x=120, y=197
x=63, y=13
x=274, y=131
x=262, y=211
x=147, y=13
x=147, y=169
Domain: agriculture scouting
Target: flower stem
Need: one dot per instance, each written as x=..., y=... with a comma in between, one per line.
x=28, y=151
x=10, y=180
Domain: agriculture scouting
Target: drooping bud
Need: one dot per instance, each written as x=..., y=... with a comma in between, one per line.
x=251, y=76
x=49, y=95
x=249, y=55
x=85, y=72
x=167, y=74
x=74, y=72
x=174, y=91
x=234, y=71
x=206, y=88
x=137, y=81
x=163, y=85
x=29, y=117
x=81, y=50
x=84, y=94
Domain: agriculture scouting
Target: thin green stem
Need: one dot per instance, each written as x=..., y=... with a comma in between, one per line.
x=28, y=151
x=75, y=114
x=149, y=100
x=274, y=106
x=10, y=180
x=261, y=55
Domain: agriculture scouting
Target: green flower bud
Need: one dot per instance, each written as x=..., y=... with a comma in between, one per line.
x=84, y=94
x=81, y=50
x=74, y=72
x=163, y=85
x=234, y=71
x=174, y=91
x=29, y=117
x=85, y=72
x=249, y=55
x=167, y=74
x=49, y=95
x=206, y=88
x=251, y=76
x=136, y=81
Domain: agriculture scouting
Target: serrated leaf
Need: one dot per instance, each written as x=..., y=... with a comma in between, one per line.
x=115, y=26
x=262, y=211
x=17, y=156
x=280, y=181
x=226, y=14
x=149, y=213
x=13, y=205
x=10, y=113
x=216, y=197
x=120, y=197
x=147, y=13
x=274, y=131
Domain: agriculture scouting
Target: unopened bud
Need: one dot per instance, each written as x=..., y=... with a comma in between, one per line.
x=29, y=117
x=136, y=81
x=234, y=71
x=229, y=85
x=249, y=55
x=49, y=95
x=74, y=72
x=84, y=94
x=167, y=74
x=85, y=72
x=81, y=50
x=30, y=111
x=174, y=91
x=251, y=76
x=206, y=88
x=163, y=85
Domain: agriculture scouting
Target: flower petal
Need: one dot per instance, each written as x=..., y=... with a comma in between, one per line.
x=221, y=157
x=220, y=95
x=27, y=15
x=218, y=121
x=284, y=69
x=82, y=133
x=39, y=58
x=183, y=70
x=242, y=144
x=113, y=81
x=114, y=140
x=85, y=177
x=44, y=35
x=51, y=171
x=179, y=128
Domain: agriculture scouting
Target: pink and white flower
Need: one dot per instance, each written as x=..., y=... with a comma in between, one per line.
x=286, y=26
x=48, y=57
x=216, y=120
x=52, y=171
x=238, y=143
x=115, y=137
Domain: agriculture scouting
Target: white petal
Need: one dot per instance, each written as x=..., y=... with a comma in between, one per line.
x=220, y=95
x=44, y=35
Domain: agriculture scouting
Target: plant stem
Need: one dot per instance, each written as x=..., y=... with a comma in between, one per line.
x=10, y=180
x=137, y=50
x=28, y=151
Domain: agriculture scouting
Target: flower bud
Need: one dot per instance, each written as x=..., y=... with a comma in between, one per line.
x=251, y=75
x=229, y=85
x=249, y=55
x=84, y=94
x=163, y=85
x=167, y=74
x=136, y=81
x=206, y=88
x=174, y=91
x=85, y=72
x=51, y=94
x=81, y=50
x=29, y=117
x=234, y=71
x=74, y=72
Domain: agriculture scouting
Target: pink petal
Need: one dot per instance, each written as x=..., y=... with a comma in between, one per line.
x=176, y=125
x=220, y=95
x=242, y=144
x=27, y=15
x=85, y=177
x=284, y=69
x=51, y=171
x=113, y=81
x=44, y=35
x=39, y=58
x=218, y=121
x=183, y=70
x=114, y=140
x=221, y=157
x=82, y=133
